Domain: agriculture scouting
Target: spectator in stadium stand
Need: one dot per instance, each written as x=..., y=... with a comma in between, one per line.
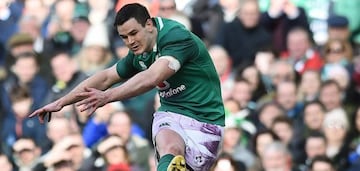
x=67, y=154
x=223, y=66
x=253, y=75
x=242, y=94
x=289, y=135
x=5, y=163
x=244, y=36
x=315, y=145
x=280, y=18
x=300, y=51
x=101, y=12
x=119, y=123
x=266, y=113
x=60, y=18
x=65, y=73
x=17, y=44
x=112, y=151
x=55, y=133
x=338, y=51
x=281, y=70
x=260, y=140
x=168, y=9
x=338, y=28
x=276, y=156
x=26, y=155
x=314, y=113
x=25, y=72
x=355, y=129
x=331, y=95
x=341, y=76
x=264, y=59
x=30, y=24
x=8, y=24
x=235, y=142
x=226, y=163
x=213, y=16
x=285, y=96
x=95, y=54
x=78, y=31
x=336, y=130
x=322, y=163
x=309, y=86
x=16, y=123
x=96, y=127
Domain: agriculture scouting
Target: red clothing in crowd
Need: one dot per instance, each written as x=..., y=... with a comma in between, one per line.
x=119, y=167
x=311, y=61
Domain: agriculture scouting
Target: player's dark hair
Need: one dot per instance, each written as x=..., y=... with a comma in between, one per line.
x=135, y=10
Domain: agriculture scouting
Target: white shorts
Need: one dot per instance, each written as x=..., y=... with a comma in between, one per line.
x=202, y=140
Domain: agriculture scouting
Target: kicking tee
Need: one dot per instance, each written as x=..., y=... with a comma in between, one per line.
x=194, y=90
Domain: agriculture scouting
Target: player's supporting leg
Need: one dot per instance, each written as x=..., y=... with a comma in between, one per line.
x=171, y=149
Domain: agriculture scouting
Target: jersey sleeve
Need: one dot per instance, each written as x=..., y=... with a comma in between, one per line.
x=179, y=44
x=125, y=67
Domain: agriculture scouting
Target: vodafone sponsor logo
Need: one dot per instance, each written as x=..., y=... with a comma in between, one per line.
x=171, y=92
x=163, y=86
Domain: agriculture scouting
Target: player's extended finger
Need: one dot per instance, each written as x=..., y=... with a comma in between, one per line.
x=80, y=103
x=88, y=106
x=84, y=107
x=85, y=101
x=35, y=113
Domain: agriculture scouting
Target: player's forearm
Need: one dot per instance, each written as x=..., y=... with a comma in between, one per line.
x=137, y=85
x=98, y=81
x=142, y=82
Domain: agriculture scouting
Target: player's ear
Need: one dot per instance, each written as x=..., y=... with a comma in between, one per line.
x=149, y=24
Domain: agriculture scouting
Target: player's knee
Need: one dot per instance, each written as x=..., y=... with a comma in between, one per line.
x=175, y=149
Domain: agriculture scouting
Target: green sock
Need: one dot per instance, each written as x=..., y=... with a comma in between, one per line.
x=164, y=162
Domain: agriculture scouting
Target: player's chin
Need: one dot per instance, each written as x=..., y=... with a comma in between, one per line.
x=138, y=51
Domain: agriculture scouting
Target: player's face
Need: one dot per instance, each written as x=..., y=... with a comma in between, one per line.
x=138, y=38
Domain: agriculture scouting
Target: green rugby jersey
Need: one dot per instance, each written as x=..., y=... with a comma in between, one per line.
x=194, y=90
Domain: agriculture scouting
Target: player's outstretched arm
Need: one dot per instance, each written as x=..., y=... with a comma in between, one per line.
x=138, y=84
x=100, y=81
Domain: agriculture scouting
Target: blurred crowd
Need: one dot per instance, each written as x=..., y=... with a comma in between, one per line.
x=289, y=71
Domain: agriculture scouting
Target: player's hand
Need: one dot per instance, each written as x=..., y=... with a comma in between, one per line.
x=46, y=110
x=92, y=99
